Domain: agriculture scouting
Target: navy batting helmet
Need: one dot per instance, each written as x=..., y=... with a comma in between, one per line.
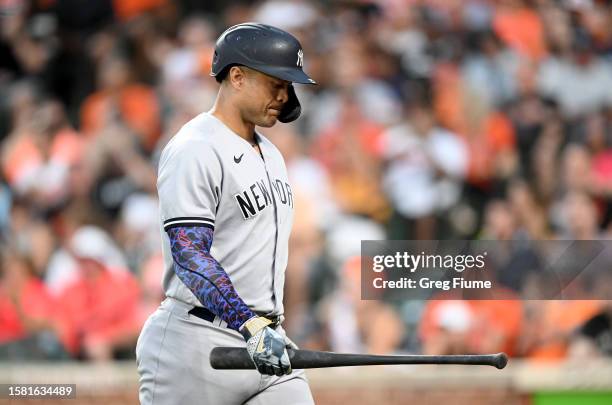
x=268, y=50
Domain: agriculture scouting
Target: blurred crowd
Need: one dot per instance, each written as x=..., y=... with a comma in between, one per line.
x=433, y=119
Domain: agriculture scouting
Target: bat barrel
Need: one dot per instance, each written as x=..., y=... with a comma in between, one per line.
x=235, y=358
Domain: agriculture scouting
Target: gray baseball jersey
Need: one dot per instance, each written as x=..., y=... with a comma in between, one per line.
x=210, y=176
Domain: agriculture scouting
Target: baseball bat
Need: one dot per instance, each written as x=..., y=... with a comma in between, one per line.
x=236, y=358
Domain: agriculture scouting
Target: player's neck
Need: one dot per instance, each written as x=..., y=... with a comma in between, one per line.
x=231, y=117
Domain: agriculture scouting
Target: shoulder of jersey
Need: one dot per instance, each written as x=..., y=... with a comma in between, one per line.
x=195, y=134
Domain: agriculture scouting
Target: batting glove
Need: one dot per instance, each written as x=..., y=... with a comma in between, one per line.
x=266, y=347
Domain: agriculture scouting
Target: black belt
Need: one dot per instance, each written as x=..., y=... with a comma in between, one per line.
x=205, y=314
x=202, y=313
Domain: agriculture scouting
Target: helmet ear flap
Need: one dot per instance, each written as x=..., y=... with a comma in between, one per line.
x=292, y=108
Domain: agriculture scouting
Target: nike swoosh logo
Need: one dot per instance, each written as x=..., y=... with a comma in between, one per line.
x=238, y=159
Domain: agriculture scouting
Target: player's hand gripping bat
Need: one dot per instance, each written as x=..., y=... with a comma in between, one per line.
x=236, y=358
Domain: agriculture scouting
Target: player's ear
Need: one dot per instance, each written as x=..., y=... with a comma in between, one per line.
x=236, y=76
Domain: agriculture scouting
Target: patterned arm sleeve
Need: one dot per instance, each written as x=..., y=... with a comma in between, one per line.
x=204, y=276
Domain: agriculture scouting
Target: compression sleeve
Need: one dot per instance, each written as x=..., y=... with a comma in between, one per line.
x=204, y=276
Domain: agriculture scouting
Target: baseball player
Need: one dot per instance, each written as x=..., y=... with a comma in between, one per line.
x=226, y=212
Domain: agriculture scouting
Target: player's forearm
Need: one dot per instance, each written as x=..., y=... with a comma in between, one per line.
x=204, y=276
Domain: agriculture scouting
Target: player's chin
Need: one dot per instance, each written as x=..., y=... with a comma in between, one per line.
x=268, y=120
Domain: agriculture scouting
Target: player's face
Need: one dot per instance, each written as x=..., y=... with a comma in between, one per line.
x=264, y=97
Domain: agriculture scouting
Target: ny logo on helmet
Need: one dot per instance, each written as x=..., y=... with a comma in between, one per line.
x=300, y=59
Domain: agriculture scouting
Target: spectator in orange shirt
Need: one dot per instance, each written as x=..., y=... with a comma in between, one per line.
x=471, y=326
x=120, y=101
x=99, y=309
x=550, y=327
x=521, y=28
x=39, y=153
x=28, y=327
x=126, y=10
x=488, y=133
x=492, y=148
x=350, y=150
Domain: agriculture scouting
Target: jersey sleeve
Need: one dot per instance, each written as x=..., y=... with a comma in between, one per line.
x=205, y=277
x=189, y=185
